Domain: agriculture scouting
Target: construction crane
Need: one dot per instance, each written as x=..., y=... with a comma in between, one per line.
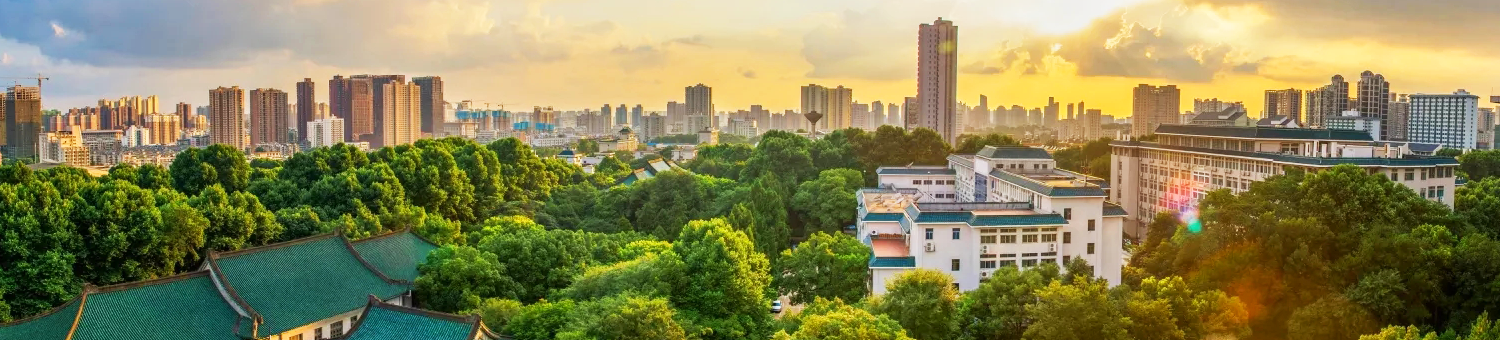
x=39, y=78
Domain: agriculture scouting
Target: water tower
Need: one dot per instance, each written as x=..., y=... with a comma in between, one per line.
x=812, y=119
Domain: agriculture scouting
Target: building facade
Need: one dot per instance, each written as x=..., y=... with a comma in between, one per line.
x=403, y=119
x=1186, y=162
x=1400, y=119
x=937, y=80
x=227, y=116
x=325, y=132
x=1005, y=206
x=434, y=106
x=23, y=122
x=1286, y=102
x=1352, y=120
x=1373, y=99
x=307, y=107
x=1152, y=106
x=268, y=117
x=1448, y=119
x=1327, y=101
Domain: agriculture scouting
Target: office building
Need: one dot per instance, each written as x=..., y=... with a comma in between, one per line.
x=227, y=116
x=359, y=125
x=1327, y=101
x=403, y=120
x=1286, y=102
x=1175, y=172
x=937, y=79
x=268, y=117
x=1399, y=119
x=434, y=106
x=1153, y=106
x=1448, y=119
x=1374, y=98
x=1005, y=206
x=307, y=107
x=325, y=132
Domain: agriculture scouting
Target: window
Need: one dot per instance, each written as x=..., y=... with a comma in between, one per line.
x=1067, y=258
x=929, y=233
x=1068, y=214
x=1440, y=192
x=986, y=264
x=337, y=329
x=1007, y=238
x=1049, y=237
x=1028, y=238
x=955, y=265
x=318, y=333
x=987, y=239
x=955, y=286
x=1028, y=263
x=295, y=337
x=1394, y=176
x=1424, y=193
x=1410, y=173
x=916, y=182
x=1008, y=263
x=1424, y=174
x=956, y=233
x=1091, y=248
x=1067, y=237
x=1091, y=225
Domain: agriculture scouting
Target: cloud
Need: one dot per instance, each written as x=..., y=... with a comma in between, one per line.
x=749, y=74
x=877, y=43
x=5, y=59
x=439, y=34
x=1455, y=24
x=1119, y=48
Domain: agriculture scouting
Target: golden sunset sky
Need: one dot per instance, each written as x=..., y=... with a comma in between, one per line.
x=576, y=54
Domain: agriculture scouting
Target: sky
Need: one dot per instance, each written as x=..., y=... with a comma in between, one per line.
x=576, y=54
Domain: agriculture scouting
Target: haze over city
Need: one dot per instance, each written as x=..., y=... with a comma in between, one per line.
x=579, y=53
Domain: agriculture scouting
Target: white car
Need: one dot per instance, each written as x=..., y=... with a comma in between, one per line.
x=775, y=307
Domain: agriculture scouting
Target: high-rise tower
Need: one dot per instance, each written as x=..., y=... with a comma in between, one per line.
x=937, y=79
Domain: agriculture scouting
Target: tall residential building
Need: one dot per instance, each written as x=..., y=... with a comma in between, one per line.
x=652, y=126
x=1092, y=127
x=403, y=118
x=1327, y=101
x=359, y=125
x=268, y=117
x=1153, y=106
x=840, y=108
x=1201, y=105
x=1448, y=119
x=307, y=107
x=877, y=115
x=1187, y=162
x=226, y=116
x=860, y=116
x=912, y=111
x=1286, y=102
x=1004, y=207
x=676, y=112
x=165, y=128
x=1374, y=99
x=700, y=102
x=609, y=113
x=1485, y=139
x=622, y=115
x=379, y=111
x=1049, y=118
x=325, y=132
x=937, y=79
x=893, y=115
x=23, y=121
x=815, y=99
x=1400, y=118
x=340, y=103
x=635, y=115
x=185, y=115
x=434, y=108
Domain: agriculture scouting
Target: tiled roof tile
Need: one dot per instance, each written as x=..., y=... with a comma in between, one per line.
x=300, y=283
x=186, y=306
x=387, y=322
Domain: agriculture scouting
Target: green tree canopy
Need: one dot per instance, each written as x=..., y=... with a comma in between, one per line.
x=830, y=266
x=827, y=204
x=923, y=301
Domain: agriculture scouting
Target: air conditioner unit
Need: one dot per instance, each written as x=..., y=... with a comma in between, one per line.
x=984, y=249
x=930, y=247
x=1051, y=247
x=984, y=274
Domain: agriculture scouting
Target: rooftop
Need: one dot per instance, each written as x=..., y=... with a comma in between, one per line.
x=1231, y=113
x=915, y=171
x=382, y=321
x=889, y=248
x=1264, y=132
x=1052, y=183
x=290, y=286
x=885, y=202
x=1014, y=152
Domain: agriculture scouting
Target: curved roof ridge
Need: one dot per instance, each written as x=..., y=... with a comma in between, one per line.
x=156, y=281
x=81, y=296
x=362, y=261
x=212, y=262
x=282, y=244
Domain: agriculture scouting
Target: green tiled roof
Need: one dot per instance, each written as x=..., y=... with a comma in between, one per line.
x=1014, y=152
x=396, y=255
x=298, y=282
x=1264, y=132
x=1017, y=220
x=1111, y=209
x=883, y=217
x=943, y=217
x=186, y=306
x=386, y=322
x=893, y=262
x=910, y=171
x=52, y=325
x=1408, y=160
x=1046, y=189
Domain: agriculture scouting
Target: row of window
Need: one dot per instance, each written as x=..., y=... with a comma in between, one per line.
x=928, y=233
x=335, y=330
x=955, y=265
x=931, y=182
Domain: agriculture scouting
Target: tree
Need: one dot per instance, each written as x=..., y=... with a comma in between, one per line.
x=433, y=181
x=524, y=175
x=624, y=317
x=458, y=278
x=1061, y=308
x=971, y=144
x=195, y=169
x=540, y=321
x=928, y=147
x=923, y=301
x=1167, y=309
x=768, y=205
x=588, y=147
x=300, y=222
x=726, y=279
x=782, y=153
x=1478, y=204
x=722, y=160
x=650, y=275
x=612, y=167
x=830, y=266
x=834, y=320
x=124, y=238
x=827, y=204
x=496, y=312
x=541, y=261
x=1479, y=164
x=997, y=309
x=235, y=220
x=1331, y=317
x=671, y=199
x=440, y=230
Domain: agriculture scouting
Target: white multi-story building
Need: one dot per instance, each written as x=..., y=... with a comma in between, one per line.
x=1353, y=120
x=1186, y=162
x=325, y=132
x=1005, y=206
x=1448, y=119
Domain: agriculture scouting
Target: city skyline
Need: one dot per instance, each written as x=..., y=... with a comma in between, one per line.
x=576, y=54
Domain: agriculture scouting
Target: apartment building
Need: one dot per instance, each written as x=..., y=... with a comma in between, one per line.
x=1186, y=162
x=1004, y=206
